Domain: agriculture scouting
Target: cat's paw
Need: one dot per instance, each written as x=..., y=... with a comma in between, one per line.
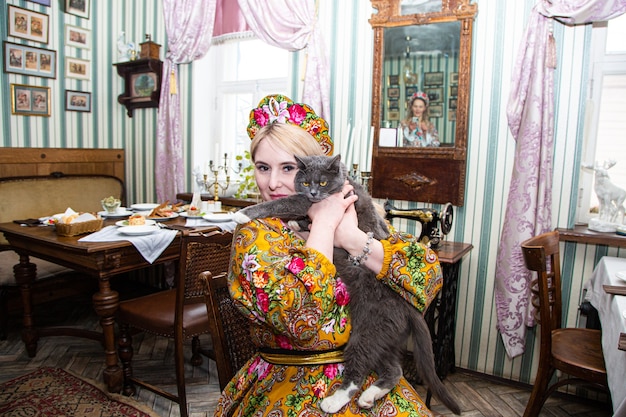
x=294, y=225
x=340, y=398
x=333, y=403
x=239, y=217
x=370, y=395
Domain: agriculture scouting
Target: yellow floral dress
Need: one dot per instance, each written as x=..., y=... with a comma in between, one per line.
x=296, y=302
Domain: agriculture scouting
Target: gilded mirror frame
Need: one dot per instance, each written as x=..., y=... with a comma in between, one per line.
x=425, y=174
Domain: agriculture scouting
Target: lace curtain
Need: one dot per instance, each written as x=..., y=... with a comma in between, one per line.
x=530, y=113
x=292, y=25
x=189, y=26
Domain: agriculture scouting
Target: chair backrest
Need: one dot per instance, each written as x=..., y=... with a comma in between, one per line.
x=542, y=255
x=230, y=329
x=201, y=251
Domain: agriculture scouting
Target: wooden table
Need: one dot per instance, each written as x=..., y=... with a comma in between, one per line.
x=611, y=310
x=99, y=260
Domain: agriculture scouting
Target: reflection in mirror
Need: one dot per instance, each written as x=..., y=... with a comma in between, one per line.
x=419, y=6
x=421, y=58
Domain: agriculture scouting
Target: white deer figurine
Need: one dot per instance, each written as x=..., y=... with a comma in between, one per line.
x=610, y=196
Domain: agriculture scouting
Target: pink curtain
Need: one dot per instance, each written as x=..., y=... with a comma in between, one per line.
x=530, y=114
x=293, y=25
x=189, y=26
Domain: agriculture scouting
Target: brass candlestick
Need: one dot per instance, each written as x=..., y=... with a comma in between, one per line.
x=216, y=170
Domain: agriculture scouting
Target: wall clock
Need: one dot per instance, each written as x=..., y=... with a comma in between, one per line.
x=142, y=84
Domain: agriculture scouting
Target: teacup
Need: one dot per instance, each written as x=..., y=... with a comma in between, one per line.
x=111, y=204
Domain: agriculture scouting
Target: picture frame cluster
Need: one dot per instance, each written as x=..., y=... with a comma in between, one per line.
x=25, y=25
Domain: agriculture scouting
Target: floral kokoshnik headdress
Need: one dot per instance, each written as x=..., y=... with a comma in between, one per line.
x=281, y=109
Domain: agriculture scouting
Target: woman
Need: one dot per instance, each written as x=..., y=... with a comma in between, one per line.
x=417, y=129
x=286, y=283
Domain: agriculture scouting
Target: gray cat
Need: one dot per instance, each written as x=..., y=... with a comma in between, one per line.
x=381, y=320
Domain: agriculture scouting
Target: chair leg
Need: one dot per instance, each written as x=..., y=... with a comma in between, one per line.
x=125, y=352
x=196, y=357
x=180, y=377
x=538, y=394
x=4, y=312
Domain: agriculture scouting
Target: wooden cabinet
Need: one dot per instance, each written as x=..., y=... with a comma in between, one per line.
x=142, y=83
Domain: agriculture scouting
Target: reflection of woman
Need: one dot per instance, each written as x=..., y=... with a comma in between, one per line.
x=287, y=285
x=417, y=129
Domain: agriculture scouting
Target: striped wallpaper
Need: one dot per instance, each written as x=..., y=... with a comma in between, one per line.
x=498, y=30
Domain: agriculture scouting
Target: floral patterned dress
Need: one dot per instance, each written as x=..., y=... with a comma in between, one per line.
x=297, y=302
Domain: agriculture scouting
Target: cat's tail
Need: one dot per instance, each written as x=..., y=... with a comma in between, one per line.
x=425, y=362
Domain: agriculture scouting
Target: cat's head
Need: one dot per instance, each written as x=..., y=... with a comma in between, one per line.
x=319, y=176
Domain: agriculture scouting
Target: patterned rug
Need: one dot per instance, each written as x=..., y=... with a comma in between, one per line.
x=49, y=392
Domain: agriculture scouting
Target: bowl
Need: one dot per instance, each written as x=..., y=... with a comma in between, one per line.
x=111, y=204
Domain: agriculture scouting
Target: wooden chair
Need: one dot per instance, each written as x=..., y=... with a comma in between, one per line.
x=230, y=329
x=179, y=313
x=575, y=352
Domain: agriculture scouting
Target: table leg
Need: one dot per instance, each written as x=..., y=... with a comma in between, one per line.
x=106, y=302
x=25, y=273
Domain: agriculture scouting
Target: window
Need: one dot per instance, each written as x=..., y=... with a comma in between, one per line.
x=228, y=82
x=605, y=142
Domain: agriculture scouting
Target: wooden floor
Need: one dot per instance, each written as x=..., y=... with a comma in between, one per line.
x=478, y=396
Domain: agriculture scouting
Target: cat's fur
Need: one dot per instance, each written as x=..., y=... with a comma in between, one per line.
x=381, y=320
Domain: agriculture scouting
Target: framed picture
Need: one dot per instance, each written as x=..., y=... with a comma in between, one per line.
x=42, y=2
x=142, y=85
x=77, y=101
x=78, y=8
x=436, y=110
x=28, y=60
x=77, y=37
x=433, y=78
x=435, y=95
x=452, y=103
x=410, y=91
x=454, y=90
x=77, y=68
x=454, y=78
x=452, y=115
x=393, y=115
x=27, y=24
x=30, y=100
x=393, y=92
x=394, y=80
x=393, y=104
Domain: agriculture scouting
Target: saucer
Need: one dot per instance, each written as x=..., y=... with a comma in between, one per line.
x=138, y=230
x=119, y=213
x=218, y=217
x=144, y=206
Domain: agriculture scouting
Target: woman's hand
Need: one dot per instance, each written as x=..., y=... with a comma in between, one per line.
x=329, y=215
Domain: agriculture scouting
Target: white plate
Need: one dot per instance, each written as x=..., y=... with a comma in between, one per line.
x=195, y=216
x=120, y=213
x=138, y=230
x=218, y=217
x=144, y=206
x=164, y=219
x=621, y=275
x=123, y=223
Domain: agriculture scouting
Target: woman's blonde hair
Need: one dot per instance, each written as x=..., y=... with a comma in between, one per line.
x=292, y=139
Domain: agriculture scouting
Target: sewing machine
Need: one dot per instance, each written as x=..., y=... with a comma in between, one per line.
x=428, y=218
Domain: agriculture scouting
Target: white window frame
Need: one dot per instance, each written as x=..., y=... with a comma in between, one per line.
x=601, y=64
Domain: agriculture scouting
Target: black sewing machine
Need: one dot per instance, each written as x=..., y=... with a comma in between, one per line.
x=429, y=218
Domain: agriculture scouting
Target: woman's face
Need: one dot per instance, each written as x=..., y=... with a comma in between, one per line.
x=418, y=107
x=274, y=171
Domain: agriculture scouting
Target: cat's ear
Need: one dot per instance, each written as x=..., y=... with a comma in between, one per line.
x=335, y=161
x=300, y=162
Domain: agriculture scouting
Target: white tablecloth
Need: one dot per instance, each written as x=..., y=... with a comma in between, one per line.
x=611, y=311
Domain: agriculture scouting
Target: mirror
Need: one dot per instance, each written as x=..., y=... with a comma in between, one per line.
x=424, y=47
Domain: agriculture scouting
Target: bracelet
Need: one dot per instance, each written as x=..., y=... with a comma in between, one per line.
x=358, y=260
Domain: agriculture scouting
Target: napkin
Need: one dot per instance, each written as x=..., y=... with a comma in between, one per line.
x=227, y=226
x=149, y=246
